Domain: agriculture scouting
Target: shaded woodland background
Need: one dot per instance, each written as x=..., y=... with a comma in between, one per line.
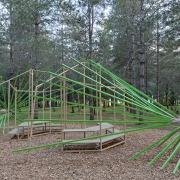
x=138, y=40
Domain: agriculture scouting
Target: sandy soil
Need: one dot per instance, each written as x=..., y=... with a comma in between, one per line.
x=51, y=163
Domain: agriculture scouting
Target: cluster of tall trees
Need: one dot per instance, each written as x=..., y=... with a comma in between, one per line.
x=136, y=39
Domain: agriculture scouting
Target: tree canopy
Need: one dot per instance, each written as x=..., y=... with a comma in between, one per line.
x=136, y=39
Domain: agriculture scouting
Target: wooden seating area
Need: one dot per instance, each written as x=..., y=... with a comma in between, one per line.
x=38, y=127
x=98, y=144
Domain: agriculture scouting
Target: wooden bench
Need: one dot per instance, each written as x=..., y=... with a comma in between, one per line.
x=96, y=128
x=21, y=128
x=98, y=144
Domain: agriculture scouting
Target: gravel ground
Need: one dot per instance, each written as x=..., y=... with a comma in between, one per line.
x=51, y=163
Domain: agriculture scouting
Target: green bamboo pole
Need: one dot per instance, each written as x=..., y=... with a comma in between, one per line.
x=128, y=114
x=108, y=87
x=171, y=156
x=166, y=139
x=98, y=121
x=177, y=166
x=120, y=80
x=77, y=91
x=153, y=144
x=163, y=150
x=100, y=91
x=98, y=82
x=129, y=87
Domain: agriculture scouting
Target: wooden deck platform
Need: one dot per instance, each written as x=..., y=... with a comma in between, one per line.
x=98, y=144
x=38, y=127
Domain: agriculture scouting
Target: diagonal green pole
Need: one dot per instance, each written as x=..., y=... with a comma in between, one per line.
x=177, y=166
x=105, y=79
x=163, y=150
x=159, y=106
x=171, y=156
x=153, y=144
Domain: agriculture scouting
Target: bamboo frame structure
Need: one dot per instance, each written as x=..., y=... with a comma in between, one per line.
x=105, y=87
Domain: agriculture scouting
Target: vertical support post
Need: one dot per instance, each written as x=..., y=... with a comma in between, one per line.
x=84, y=96
x=8, y=108
x=79, y=108
x=29, y=94
x=100, y=114
x=64, y=97
x=32, y=92
x=124, y=112
x=35, y=103
x=31, y=132
x=50, y=103
x=43, y=105
x=61, y=109
x=15, y=107
x=114, y=104
x=30, y=109
x=124, y=104
x=97, y=112
x=50, y=96
x=61, y=98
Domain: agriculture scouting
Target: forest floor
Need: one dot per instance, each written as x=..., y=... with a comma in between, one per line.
x=53, y=164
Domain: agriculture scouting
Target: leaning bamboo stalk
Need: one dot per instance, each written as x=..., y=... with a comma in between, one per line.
x=137, y=94
x=164, y=150
x=171, y=156
x=96, y=96
x=126, y=113
x=177, y=166
x=135, y=103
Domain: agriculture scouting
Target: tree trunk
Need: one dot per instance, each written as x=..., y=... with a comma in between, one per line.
x=133, y=56
x=142, y=52
x=36, y=37
x=11, y=41
x=36, y=57
x=90, y=33
x=157, y=58
x=146, y=76
x=142, y=49
x=133, y=59
x=167, y=98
